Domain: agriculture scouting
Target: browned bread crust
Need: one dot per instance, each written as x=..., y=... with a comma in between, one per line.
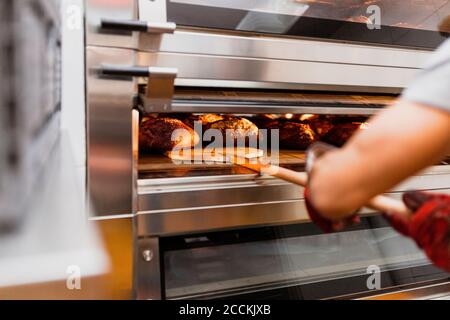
x=321, y=125
x=155, y=134
x=341, y=133
x=240, y=129
x=204, y=119
x=293, y=135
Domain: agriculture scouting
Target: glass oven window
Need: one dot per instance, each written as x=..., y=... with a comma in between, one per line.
x=404, y=23
x=311, y=264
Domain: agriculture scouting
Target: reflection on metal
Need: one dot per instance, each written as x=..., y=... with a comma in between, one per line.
x=281, y=7
x=160, y=89
x=117, y=10
x=440, y=291
x=185, y=106
x=203, y=210
x=197, y=219
x=410, y=14
x=160, y=84
x=240, y=45
x=154, y=10
x=288, y=262
x=147, y=270
x=110, y=136
x=199, y=66
x=142, y=26
x=263, y=15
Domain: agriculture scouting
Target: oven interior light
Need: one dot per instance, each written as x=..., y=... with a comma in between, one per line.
x=305, y=117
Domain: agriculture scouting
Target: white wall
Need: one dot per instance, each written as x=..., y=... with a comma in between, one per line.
x=73, y=92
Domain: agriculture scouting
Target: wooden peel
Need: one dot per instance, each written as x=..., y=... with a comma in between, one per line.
x=380, y=203
x=220, y=155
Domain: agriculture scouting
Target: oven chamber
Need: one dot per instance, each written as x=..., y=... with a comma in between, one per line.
x=192, y=225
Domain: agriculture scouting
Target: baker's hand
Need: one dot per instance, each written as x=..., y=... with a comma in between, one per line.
x=313, y=154
x=325, y=224
x=429, y=225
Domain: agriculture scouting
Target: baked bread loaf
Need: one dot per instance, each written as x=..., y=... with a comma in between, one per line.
x=156, y=134
x=341, y=133
x=240, y=129
x=204, y=119
x=320, y=125
x=296, y=135
x=293, y=135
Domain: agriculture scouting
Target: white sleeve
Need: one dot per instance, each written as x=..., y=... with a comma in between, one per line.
x=432, y=87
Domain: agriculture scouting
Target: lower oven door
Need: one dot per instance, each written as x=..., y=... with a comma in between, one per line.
x=292, y=262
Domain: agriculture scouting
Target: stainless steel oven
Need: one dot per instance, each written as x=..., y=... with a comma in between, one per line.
x=219, y=230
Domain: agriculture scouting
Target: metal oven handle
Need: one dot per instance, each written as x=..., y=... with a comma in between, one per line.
x=160, y=85
x=135, y=71
x=136, y=25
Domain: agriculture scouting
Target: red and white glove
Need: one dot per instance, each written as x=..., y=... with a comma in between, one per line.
x=429, y=225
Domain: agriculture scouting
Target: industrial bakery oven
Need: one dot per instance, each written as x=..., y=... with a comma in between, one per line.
x=314, y=71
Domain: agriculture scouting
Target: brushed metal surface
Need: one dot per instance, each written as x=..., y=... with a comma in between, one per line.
x=111, y=166
x=186, y=106
x=431, y=292
x=215, y=196
x=168, y=211
x=96, y=10
x=196, y=66
x=147, y=270
x=160, y=88
x=152, y=10
x=186, y=221
x=199, y=192
x=269, y=47
x=212, y=83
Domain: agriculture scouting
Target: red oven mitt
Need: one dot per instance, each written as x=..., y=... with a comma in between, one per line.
x=429, y=225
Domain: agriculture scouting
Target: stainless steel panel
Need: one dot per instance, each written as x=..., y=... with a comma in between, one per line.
x=286, y=86
x=169, y=194
x=160, y=88
x=152, y=10
x=210, y=195
x=220, y=218
x=147, y=273
x=239, y=108
x=185, y=221
x=119, y=10
x=184, y=208
x=433, y=179
x=262, y=47
x=431, y=292
x=279, y=71
x=111, y=169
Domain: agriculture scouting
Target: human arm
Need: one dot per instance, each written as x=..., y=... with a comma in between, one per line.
x=401, y=141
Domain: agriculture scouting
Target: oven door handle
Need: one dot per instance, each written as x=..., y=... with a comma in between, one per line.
x=134, y=71
x=160, y=84
x=137, y=25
